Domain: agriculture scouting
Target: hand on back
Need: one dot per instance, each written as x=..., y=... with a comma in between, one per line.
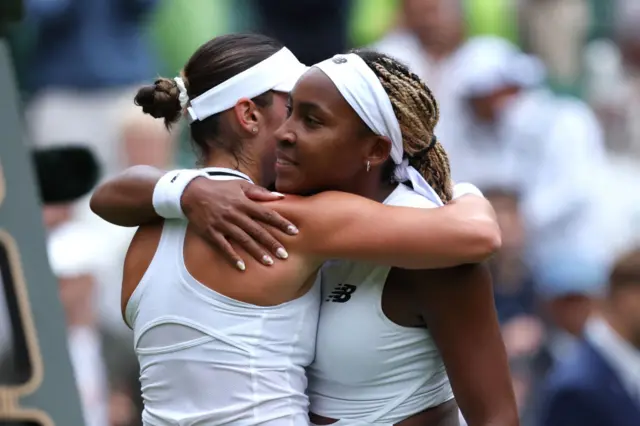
x=230, y=211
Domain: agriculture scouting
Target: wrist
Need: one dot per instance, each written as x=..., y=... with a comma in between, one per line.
x=189, y=196
x=167, y=194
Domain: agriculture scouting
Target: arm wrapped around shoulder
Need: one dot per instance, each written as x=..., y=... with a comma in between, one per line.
x=337, y=225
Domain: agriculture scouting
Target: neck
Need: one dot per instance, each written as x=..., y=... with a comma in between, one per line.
x=246, y=165
x=369, y=186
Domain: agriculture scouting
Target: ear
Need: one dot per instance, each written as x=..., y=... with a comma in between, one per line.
x=378, y=151
x=247, y=115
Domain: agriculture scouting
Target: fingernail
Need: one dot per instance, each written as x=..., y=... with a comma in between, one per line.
x=240, y=264
x=267, y=260
x=292, y=230
x=277, y=194
x=282, y=253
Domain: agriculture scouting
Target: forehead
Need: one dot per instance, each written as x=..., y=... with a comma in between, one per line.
x=314, y=87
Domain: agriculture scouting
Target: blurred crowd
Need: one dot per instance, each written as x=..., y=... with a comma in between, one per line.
x=538, y=103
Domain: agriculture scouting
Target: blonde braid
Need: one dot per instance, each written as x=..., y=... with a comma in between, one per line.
x=418, y=113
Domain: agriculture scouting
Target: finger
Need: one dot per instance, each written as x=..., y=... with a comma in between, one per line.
x=258, y=193
x=218, y=240
x=240, y=237
x=261, y=235
x=271, y=217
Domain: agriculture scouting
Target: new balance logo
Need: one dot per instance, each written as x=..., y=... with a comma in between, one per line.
x=342, y=293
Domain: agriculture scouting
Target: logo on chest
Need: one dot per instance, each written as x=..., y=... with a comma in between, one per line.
x=341, y=293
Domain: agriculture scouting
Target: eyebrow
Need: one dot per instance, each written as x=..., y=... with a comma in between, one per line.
x=312, y=107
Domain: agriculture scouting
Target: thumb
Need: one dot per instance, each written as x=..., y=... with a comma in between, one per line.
x=258, y=193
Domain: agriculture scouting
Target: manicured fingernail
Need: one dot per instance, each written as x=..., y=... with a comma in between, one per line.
x=267, y=260
x=277, y=194
x=240, y=265
x=292, y=230
x=282, y=253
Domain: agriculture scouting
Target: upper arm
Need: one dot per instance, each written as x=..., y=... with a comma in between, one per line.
x=127, y=199
x=457, y=305
x=338, y=225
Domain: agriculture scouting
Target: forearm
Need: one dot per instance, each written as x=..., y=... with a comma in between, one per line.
x=343, y=226
x=464, y=232
x=127, y=199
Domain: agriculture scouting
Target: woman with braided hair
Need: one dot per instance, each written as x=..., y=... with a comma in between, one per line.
x=222, y=343
x=394, y=346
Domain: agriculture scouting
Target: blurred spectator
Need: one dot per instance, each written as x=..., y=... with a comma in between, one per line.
x=64, y=175
x=613, y=79
x=514, y=289
x=556, y=30
x=513, y=131
x=599, y=385
x=522, y=329
x=85, y=60
x=313, y=30
x=428, y=41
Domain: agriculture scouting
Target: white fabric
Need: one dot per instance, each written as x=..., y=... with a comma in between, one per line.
x=167, y=193
x=279, y=72
x=622, y=357
x=496, y=64
x=207, y=359
x=72, y=250
x=85, y=351
x=360, y=87
x=550, y=150
x=437, y=72
x=465, y=188
x=183, y=97
x=369, y=370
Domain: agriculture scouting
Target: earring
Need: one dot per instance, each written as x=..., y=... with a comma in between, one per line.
x=368, y=166
x=254, y=130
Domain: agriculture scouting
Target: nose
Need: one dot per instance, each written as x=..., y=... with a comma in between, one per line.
x=285, y=134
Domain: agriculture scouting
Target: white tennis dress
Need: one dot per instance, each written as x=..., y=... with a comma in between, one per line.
x=207, y=359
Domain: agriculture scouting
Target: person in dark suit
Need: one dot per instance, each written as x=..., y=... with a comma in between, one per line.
x=599, y=385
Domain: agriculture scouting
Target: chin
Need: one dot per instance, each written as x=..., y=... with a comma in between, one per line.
x=287, y=185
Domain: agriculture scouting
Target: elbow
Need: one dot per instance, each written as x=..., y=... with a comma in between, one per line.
x=507, y=417
x=96, y=203
x=487, y=239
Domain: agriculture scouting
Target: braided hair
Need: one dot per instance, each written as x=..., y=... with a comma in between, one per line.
x=417, y=112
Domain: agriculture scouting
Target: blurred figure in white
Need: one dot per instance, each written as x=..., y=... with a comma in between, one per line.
x=85, y=60
x=428, y=40
x=73, y=261
x=515, y=131
x=613, y=79
x=556, y=31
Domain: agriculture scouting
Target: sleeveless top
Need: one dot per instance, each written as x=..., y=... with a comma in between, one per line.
x=369, y=370
x=207, y=359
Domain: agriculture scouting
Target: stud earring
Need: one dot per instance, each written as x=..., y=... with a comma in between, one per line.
x=254, y=130
x=368, y=166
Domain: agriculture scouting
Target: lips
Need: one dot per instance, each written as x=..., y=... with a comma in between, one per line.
x=284, y=160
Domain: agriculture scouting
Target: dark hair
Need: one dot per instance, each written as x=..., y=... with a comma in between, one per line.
x=418, y=113
x=214, y=62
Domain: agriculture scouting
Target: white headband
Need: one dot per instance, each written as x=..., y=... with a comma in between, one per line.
x=362, y=89
x=279, y=72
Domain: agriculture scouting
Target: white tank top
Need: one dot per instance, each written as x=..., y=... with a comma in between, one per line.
x=207, y=359
x=369, y=370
